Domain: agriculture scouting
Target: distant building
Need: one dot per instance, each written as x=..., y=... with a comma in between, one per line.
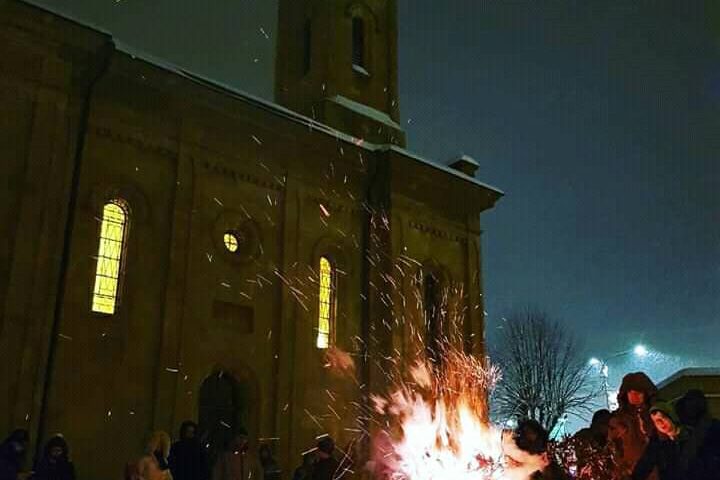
x=175, y=249
x=705, y=379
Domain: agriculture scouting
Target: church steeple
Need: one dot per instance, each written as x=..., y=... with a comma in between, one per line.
x=337, y=63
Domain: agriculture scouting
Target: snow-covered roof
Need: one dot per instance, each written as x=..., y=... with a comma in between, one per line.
x=438, y=166
x=690, y=372
x=272, y=106
x=66, y=16
x=370, y=112
x=464, y=158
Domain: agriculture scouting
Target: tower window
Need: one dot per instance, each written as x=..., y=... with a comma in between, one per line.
x=358, y=42
x=327, y=303
x=307, y=46
x=110, y=257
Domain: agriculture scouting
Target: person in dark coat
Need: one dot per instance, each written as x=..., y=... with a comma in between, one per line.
x=692, y=409
x=271, y=469
x=305, y=470
x=637, y=393
x=527, y=451
x=238, y=461
x=326, y=466
x=623, y=459
x=673, y=451
x=591, y=448
x=187, y=457
x=12, y=454
x=55, y=463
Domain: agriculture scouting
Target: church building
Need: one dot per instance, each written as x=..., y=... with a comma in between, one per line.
x=175, y=249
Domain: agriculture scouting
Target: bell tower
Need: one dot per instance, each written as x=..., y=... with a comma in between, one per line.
x=337, y=63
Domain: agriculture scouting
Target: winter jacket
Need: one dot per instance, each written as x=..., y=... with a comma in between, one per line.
x=325, y=469
x=59, y=470
x=12, y=452
x=552, y=472
x=236, y=466
x=640, y=426
x=49, y=468
x=673, y=458
x=188, y=460
x=150, y=469
x=707, y=463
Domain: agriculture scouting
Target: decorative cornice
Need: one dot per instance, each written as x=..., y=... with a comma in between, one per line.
x=137, y=141
x=238, y=176
x=436, y=232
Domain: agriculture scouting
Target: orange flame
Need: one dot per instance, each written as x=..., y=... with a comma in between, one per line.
x=439, y=428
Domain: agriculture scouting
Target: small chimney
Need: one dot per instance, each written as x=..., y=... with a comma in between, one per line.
x=465, y=164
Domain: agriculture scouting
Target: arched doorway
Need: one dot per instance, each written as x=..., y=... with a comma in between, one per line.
x=223, y=411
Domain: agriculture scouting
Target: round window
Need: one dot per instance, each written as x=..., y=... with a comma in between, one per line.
x=231, y=241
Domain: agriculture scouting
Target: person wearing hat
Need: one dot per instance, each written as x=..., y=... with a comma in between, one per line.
x=326, y=466
x=673, y=451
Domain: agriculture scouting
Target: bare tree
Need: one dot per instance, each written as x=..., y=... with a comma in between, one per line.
x=545, y=374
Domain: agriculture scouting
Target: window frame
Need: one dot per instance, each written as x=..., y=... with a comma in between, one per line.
x=332, y=303
x=124, y=207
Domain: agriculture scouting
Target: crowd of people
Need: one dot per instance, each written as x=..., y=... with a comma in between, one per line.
x=644, y=439
x=185, y=459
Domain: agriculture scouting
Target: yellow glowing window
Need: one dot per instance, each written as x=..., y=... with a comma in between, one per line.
x=113, y=232
x=231, y=242
x=326, y=307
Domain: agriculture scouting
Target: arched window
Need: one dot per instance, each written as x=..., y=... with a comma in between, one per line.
x=327, y=303
x=110, y=257
x=358, y=42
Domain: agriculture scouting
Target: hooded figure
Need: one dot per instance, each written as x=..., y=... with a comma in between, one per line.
x=187, y=458
x=673, y=451
x=12, y=454
x=154, y=464
x=55, y=463
x=326, y=467
x=637, y=393
x=692, y=410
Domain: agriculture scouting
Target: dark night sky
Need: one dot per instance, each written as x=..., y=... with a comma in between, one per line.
x=599, y=119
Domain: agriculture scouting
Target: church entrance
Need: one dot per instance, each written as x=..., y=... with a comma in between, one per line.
x=223, y=412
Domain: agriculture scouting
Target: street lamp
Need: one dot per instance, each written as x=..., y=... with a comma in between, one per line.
x=638, y=350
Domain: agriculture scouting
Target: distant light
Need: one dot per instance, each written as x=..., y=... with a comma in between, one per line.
x=640, y=350
x=594, y=361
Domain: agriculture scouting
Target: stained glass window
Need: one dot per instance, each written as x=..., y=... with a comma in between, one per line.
x=111, y=250
x=326, y=307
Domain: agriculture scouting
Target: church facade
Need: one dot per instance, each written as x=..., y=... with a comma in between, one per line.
x=174, y=249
